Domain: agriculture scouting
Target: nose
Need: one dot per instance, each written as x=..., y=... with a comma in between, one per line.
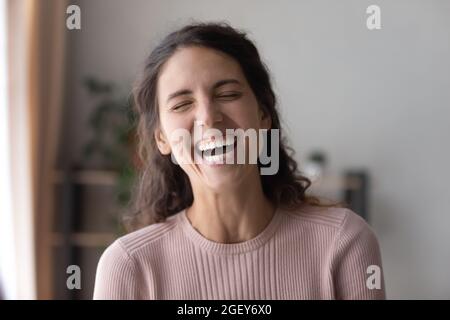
x=208, y=113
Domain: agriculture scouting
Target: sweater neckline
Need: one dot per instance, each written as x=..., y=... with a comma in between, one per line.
x=230, y=248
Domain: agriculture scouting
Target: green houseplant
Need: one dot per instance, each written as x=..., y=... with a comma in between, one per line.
x=113, y=125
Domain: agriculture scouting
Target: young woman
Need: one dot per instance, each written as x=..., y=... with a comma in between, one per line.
x=218, y=228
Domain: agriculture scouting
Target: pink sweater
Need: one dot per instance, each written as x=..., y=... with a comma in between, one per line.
x=314, y=253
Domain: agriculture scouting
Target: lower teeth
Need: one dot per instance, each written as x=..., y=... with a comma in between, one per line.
x=213, y=158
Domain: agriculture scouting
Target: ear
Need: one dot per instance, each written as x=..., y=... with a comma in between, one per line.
x=265, y=119
x=162, y=142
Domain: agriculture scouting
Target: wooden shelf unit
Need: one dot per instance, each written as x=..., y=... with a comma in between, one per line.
x=71, y=245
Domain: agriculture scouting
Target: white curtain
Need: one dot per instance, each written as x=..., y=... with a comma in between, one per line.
x=6, y=254
x=32, y=76
x=17, y=219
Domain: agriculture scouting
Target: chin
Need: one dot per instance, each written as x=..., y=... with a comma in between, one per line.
x=222, y=178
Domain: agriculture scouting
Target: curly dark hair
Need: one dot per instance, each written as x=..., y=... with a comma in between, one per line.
x=163, y=188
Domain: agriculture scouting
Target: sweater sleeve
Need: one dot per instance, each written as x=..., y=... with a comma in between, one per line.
x=116, y=275
x=357, y=270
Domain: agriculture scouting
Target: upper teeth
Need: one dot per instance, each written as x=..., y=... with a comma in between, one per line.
x=209, y=145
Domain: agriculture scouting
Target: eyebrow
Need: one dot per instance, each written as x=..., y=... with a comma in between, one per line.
x=215, y=86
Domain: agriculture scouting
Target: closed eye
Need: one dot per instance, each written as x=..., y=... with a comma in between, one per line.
x=180, y=107
x=226, y=97
x=229, y=96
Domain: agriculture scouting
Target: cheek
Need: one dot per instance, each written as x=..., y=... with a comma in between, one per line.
x=245, y=114
x=171, y=123
x=177, y=131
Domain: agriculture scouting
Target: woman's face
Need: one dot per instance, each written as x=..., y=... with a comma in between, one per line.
x=200, y=89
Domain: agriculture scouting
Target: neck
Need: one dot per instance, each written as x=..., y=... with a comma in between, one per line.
x=231, y=216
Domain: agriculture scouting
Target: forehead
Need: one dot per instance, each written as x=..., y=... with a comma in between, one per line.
x=192, y=66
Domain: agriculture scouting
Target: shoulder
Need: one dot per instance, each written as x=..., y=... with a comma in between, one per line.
x=146, y=236
x=337, y=223
x=120, y=272
x=334, y=217
x=352, y=250
x=122, y=252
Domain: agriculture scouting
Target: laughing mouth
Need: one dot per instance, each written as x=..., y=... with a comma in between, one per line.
x=213, y=151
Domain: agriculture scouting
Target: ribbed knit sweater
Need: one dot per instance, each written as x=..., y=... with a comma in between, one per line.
x=312, y=253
